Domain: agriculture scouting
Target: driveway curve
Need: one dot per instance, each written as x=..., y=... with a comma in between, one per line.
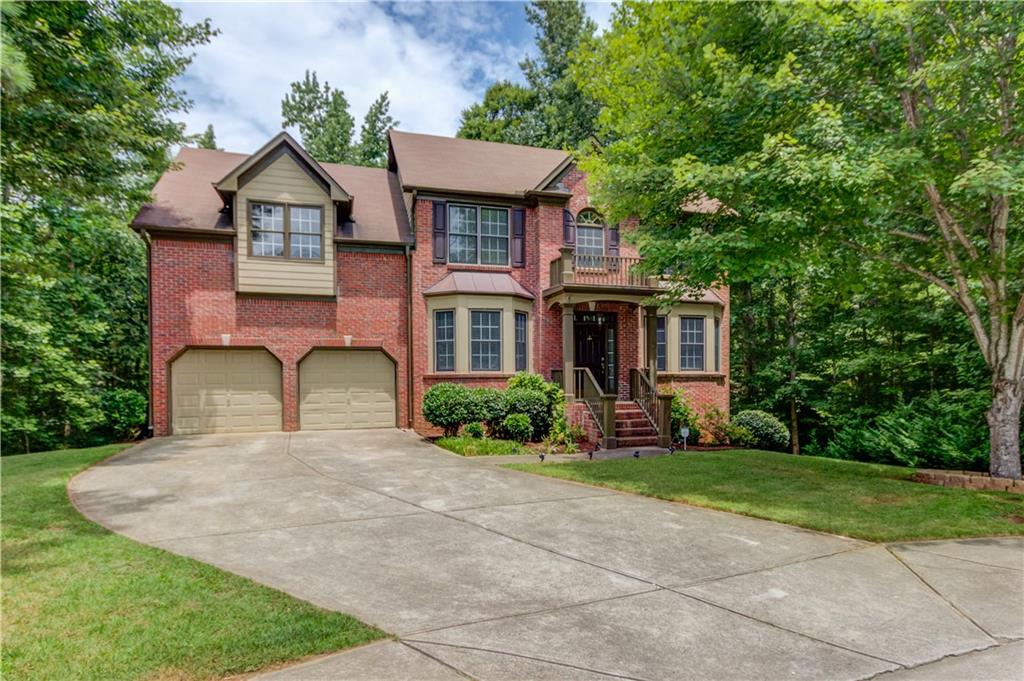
x=487, y=573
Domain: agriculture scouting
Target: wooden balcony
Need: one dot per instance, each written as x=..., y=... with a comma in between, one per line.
x=575, y=271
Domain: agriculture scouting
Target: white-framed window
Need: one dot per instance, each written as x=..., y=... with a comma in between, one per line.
x=691, y=343
x=521, y=341
x=660, y=343
x=590, y=236
x=278, y=230
x=478, y=235
x=266, y=227
x=305, y=233
x=485, y=340
x=444, y=340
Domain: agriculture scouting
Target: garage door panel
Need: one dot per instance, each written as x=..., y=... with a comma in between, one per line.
x=222, y=391
x=342, y=389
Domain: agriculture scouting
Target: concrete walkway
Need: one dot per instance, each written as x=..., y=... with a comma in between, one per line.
x=487, y=573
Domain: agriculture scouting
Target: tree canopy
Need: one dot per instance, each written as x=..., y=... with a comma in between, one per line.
x=550, y=111
x=829, y=134
x=87, y=106
x=372, y=149
x=207, y=139
x=321, y=114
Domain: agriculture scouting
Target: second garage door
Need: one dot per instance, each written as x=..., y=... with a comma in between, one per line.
x=340, y=389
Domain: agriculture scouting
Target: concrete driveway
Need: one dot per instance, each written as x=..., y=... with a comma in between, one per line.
x=487, y=573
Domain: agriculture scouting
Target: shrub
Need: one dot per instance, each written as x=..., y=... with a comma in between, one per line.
x=473, y=430
x=739, y=436
x=448, y=406
x=518, y=427
x=684, y=415
x=554, y=393
x=488, y=405
x=124, y=411
x=715, y=423
x=566, y=434
x=767, y=431
x=534, y=404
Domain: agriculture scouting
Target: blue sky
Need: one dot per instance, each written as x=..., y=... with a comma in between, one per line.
x=434, y=58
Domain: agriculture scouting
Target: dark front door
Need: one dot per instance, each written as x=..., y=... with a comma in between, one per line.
x=595, y=345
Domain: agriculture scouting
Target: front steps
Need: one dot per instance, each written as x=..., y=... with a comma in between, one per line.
x=632, y=427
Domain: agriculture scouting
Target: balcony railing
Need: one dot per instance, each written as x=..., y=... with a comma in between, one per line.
x=599, y=270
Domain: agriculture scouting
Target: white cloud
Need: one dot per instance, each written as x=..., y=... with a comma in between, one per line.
x=434, y=60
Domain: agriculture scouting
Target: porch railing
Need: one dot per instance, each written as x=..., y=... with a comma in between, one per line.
x=642, y=391
x=589, y=393
x=599, y=270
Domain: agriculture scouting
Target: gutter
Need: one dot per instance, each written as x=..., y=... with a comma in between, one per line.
x=149, y=328
x=408, y=317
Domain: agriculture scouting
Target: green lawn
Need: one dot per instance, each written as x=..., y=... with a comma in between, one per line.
x=868, y=501
x=80, y=602
x=477, y=446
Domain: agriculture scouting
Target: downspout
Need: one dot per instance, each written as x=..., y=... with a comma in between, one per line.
x=149, y=325
x=408, y=318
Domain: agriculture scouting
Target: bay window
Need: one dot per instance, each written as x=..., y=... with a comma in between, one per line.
x=691, y=343
x=485, y=340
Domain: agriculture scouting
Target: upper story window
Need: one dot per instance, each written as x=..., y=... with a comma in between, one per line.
x=590, y=235
x=278, y=229
x=478, y=235
x=691, y=343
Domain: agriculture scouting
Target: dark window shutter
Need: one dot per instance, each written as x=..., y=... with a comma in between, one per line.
x=518, y=238
x=613, y=241
x=440, y=231
x=568, y=229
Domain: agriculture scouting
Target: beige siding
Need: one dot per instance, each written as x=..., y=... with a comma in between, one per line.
x=341, y=389
x=225, y=391
x=284, y=181
x=672, y=332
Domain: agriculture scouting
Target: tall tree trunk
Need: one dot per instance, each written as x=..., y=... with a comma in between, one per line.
x=1004, y=428
x=791, y=343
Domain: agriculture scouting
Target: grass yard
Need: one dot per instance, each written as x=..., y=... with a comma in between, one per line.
x=80, y=602
x=477, y=446
x=867, y=501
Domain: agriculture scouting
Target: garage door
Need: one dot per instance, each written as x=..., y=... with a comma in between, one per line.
x=346, y=389
x=225, y=391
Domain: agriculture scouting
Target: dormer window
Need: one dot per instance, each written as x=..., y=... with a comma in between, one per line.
x=280, y=229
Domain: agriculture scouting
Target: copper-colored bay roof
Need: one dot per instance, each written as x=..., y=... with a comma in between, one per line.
x=184, y=197
x=460, y=165
x=479, y=283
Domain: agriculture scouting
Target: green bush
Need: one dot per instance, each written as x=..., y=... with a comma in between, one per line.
x=767, y=431
x=448, y=406
x=684, y=415
x=554, y=393
x=518, y=427
x=715, y=423
x=474, y=430
x=535, y=405
x=566, y=434
x=124, y=412
x=946, y=429
x=488, y=405
x=739, y=436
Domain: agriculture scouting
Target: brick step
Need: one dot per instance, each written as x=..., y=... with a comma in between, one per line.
x=633, y=423
x=635, y=432
x=630, y=415
x=638, y=441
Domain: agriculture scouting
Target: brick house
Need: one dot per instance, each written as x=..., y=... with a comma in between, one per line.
x=288, y=294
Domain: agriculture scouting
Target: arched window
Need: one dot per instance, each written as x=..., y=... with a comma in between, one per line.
x=590, y=238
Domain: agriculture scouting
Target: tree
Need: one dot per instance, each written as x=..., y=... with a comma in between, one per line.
x=322, y=116
x=889, y=132
x=373, y=137
x=509, y=113
x=551, y=111
x=206, y=140
x=87, y=128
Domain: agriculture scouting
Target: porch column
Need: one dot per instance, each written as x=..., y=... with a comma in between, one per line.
x=568, y=351
x=651, y=342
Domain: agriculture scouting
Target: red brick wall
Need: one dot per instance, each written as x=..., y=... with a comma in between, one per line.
x=194, y=303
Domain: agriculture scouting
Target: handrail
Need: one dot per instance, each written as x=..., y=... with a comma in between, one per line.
x=642, y=391
x=587, y=390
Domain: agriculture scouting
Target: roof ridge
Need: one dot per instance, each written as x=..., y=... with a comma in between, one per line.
x=468, y=140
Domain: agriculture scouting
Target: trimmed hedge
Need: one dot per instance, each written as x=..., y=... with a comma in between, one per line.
x=766, y=431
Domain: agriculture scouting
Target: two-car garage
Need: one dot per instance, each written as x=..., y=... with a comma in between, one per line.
x=234, y=390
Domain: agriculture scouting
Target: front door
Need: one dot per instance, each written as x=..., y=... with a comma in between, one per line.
x=595, y=346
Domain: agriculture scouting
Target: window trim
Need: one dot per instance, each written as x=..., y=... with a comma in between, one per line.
x=661, y=358
x=703, y=343
x=286, y=207
x=718, y=344
x=516, y=316
x=453, y=341
x=477, y=208
x=500, y=341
